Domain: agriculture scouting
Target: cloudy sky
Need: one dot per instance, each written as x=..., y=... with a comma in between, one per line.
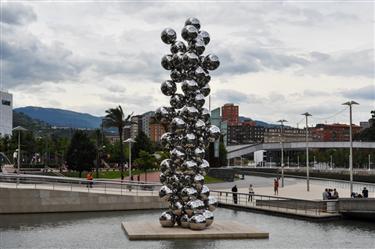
x=278, y=59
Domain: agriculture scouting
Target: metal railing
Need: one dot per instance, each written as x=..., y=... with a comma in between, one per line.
x=324, y=182
x=271, y=203
x=113, y=187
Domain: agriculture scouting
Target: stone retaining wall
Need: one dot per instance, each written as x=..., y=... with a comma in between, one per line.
x=45, y=201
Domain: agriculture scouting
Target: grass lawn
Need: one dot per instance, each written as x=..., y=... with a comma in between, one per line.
x=210, y=179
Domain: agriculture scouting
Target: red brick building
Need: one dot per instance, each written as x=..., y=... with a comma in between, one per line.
x=333, y=132
x=156, y=130
x=230, y=113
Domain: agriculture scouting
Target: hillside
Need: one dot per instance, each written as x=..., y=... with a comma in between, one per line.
x=61, y=118
x=21, y=119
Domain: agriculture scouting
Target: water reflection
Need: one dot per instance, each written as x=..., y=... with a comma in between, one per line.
x=102, y=230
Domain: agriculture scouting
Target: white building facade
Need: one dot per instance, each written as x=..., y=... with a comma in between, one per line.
x=6, y=113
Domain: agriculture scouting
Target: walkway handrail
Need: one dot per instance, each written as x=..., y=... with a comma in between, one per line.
x=311, y=178
x=75, y=180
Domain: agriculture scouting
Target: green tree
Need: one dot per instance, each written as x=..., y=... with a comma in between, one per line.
x=142, y=142
x=116, y=118
x=222, y=154
x=145, y=161
x=81, y=153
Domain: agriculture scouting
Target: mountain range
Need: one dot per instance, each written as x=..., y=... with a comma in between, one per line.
x=71, y=119
x=61, y=118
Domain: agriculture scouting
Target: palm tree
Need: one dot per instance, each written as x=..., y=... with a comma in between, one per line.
x=115, y=118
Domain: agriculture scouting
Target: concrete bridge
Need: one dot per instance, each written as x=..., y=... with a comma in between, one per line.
x=234, y=151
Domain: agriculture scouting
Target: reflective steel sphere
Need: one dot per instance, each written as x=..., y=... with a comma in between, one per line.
x=211, y=203
x=198, y=46
x=190, y=60
x=206, y=90
x=198, y=182
x=213, y=133
x=184, y=221
x=178, y=46
x=167, y=219
x=168, y=88
x=177, y=101
x=204, y=192
x=209, y=217
x=168, y=36
x=188, y=193
x=199, y=153
x=205, y=36
x=190, y=113
x=176, y=75
x=193, y=21
x=197, y=222
x=177, y=155
x=165, y=193
x=176, y=208
x=178, y=125
x=166, y=62
x=189, y=86
x=203, y=167
x=189, y=141
x=166, y=140
x=211, y=62
x=189, y=32
x=189, y=167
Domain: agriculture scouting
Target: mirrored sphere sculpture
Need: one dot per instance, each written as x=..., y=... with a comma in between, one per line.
x=189, y=128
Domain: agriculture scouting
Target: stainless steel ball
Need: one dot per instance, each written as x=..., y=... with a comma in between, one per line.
x=211, y=203
x=168, y=87
x=204, y=193
x=165, y=193
x=209, y=217
x=190, y=60
x=199, y=153
x=197, y=222
x=166, y=62
x=167, y=219
x=211, y=62
x=177, y=101
x=176, y=208
x=189, y=86
x=168, y=36
x=184, y=221
x=205, y=90
x=204, y=167
x=189, y=141
x=193, y=21
x=198, y=182
x=189, y=32
x=205, y=36
x=213, y=133
x=178, y=46
x=189, y=167
x=178, y=125
x=177, y=155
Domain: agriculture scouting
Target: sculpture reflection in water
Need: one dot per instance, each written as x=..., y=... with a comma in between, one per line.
x=190, y=130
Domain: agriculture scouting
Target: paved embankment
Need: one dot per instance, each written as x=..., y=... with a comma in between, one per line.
x=43, y=201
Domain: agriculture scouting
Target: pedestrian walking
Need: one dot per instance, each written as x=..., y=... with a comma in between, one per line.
x=89, y=178
x=335, y=194
x=251, y=193
x=234, y=193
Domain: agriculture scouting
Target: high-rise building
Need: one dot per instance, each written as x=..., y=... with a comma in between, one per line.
x=146, y=118
x=230, y=113
x=156, y=130
x=6, y=113
x=136, y=126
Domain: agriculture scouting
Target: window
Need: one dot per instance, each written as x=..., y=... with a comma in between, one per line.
x=5, y=102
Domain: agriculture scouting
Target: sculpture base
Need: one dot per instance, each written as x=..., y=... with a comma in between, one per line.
x=218, y=230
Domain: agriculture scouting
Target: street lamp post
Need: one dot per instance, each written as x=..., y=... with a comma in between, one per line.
x=19, y=129
x=130, y=141
x=369, y=161
x=282, y=121
x=306, y=114
x=331, y=163
x=350, y=103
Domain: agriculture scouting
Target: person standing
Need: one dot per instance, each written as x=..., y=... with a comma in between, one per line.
x=251, y=193
x=276, y=186
x=365, y=192
x=234, y=193
x=335, y=194
x=325, y=195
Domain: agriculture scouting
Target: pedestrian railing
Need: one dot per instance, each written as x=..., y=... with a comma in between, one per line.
x=113, y=187
x=324, y=182
x=271, y=203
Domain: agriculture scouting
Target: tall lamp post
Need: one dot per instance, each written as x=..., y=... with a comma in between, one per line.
x=130, y=141
x=19, y=129
x=306, y=114
x=350, y=103
x=282, y=121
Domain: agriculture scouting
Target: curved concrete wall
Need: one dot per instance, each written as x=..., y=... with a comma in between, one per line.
x=45, y=201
